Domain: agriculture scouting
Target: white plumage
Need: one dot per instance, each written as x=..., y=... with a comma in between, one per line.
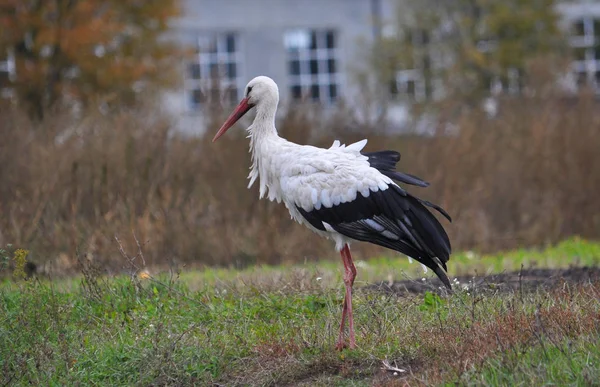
x=341, y=193
x=311, y=178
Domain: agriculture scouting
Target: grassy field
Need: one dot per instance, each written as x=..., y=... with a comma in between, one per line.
x=278, y=325
x=572, y=252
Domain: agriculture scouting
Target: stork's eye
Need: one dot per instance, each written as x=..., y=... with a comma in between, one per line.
x=249, y=90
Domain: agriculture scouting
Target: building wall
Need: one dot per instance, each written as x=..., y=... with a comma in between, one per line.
x=573, y=10
x=582, y=20
x=261, y=26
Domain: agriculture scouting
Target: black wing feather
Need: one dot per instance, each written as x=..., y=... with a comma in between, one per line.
x=402, y=221
x=408, y=227
x=405, y=178
x=385, y=162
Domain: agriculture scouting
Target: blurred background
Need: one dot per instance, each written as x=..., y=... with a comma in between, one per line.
x=104, y=106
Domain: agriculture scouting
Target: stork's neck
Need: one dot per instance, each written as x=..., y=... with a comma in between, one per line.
x=263, y=129
x=263, y=126
x=263, y=144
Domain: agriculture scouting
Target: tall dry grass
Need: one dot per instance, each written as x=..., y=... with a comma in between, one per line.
x=529, y=177
x=67, y=186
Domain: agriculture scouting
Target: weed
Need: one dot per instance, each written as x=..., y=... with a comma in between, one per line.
x=5, y=257
x=433, y=304
x=20, y=260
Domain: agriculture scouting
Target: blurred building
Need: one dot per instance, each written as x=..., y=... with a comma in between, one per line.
x=309, y=48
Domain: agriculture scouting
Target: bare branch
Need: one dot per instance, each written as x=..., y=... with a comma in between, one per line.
x=388, y=367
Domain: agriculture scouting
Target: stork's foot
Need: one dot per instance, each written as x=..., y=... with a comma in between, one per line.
x=341, y=345
x=352, y=343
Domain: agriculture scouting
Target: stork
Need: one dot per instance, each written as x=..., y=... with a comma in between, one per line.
x=340, y=193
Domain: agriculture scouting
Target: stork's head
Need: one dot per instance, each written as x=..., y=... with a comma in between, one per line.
x=262, y=93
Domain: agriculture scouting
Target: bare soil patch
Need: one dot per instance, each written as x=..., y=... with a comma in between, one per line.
x=523, y=280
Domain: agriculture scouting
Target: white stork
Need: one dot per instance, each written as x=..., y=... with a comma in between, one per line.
x=340, y=193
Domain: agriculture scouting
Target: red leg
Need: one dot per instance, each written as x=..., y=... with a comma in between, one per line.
x=341, y=344
x=349, y=276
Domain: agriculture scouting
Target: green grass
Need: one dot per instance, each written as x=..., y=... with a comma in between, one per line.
x=246, y=330
x=329, y=273
x=567, y=362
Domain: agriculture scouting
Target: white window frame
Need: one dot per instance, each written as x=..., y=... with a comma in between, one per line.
x=297, y=45
x=206, y=59
x=589, y=66
x=421, y=40
x=404, y=77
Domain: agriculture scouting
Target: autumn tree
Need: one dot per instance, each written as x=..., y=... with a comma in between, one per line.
x=86, y=50
x=466, y=50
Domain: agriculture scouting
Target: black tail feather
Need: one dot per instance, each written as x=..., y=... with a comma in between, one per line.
x=405, y=178
x=437, y=208
x=385, y=162
x=425, y=227
x=443, y=277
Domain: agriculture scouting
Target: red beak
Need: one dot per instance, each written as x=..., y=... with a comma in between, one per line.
x=239, y=111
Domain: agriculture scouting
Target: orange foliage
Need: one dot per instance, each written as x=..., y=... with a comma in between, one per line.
x=86, y=50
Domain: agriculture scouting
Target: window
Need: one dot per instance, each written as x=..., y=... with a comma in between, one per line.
x=7, y=74
x=580, y=53
x=213, y=76
x=418, y=37
x=4, y=77
x=415, y=79
x=513, y=81
x=578, y=28
x=585, y=43
x=312, y=64
x=581, y=78
x=409, y=84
